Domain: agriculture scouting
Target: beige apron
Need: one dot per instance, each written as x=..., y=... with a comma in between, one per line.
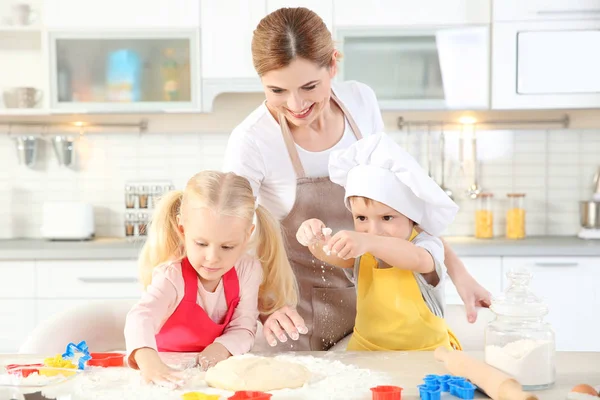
x=327, y=295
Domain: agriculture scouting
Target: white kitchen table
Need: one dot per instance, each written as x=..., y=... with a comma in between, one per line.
x=409, y=368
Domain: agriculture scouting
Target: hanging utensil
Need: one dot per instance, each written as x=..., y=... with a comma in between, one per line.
x=448, y=191
x=429, y=152
x=474, y=190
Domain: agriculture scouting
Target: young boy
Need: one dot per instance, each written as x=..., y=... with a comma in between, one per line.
x=398, y=262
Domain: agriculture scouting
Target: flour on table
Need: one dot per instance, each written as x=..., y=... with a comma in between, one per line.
x=257, y=373
x=329, y=379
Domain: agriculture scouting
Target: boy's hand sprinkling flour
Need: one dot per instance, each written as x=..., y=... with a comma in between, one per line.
x=311, y=232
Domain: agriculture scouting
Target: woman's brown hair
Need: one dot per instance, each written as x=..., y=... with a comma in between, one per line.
x=289, y=33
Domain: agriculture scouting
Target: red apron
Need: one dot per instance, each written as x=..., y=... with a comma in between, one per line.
x=189, y=328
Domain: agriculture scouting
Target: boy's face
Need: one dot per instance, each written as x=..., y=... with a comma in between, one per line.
x=376, y=218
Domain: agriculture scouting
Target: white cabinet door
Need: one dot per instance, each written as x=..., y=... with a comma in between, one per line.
x=227, y=28
x=395, y=13
x=87, y=279
x=569, y=286
x=129, y=14
x=18, y=279
x=18, y=319
x=324, y=8
x=531, y=10
x=486, y=270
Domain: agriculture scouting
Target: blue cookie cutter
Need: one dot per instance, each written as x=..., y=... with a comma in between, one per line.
x=430, y=391
x=462, y=388
x=458, y=386
x=77, y=352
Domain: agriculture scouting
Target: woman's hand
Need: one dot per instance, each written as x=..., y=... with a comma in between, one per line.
x=155, y=371
x=310, y=231
x=284, y=321
x=211, y=355
x=348, y=244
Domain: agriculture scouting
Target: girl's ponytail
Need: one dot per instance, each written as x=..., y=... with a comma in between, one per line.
x=279, y=283
x=164, y=242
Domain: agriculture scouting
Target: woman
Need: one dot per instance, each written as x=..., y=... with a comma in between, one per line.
x=283, y=148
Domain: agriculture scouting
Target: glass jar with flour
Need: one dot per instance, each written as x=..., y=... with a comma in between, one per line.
x=518, y=341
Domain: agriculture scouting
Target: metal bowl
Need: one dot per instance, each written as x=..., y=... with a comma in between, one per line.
x=589, y=214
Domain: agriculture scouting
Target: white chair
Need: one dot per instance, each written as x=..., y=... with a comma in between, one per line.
x=99, y=323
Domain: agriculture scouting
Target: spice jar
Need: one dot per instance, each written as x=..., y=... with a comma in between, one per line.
x=518, y=341
x=515, y=216
x=142, y=224
x=484, y=217
x=130, y=222
x=143, y=196
x=156, y=194
x=130, y=196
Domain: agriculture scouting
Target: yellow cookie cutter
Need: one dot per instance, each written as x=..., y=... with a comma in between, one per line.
x=200, y=396
x=57, y=362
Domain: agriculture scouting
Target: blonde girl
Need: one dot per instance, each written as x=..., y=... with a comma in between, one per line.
x=203, y=289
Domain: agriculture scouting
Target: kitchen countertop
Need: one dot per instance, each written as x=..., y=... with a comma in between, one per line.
x=120, y=248
x=407, y=369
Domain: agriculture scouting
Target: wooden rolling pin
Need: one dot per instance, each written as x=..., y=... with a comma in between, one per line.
x=496, y=384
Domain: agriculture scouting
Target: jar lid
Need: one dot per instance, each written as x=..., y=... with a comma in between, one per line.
x=518, y=300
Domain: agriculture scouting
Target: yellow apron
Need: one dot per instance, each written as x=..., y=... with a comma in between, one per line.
x=392, y=314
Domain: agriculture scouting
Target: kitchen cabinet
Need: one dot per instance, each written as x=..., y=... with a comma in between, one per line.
x=90, y=279
x=18, y=279
x=37, y=290
x=404, y=13
x=324, y=8
x=569, y=286
x=226, y=38
x=116, y=70
x=130, y=14
x=18, y=319
x=426, y=68
x=527, y=74
x=533, y=10
x=486, y=270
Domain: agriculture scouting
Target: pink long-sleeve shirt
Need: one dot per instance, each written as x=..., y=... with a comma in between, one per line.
x=165, y=292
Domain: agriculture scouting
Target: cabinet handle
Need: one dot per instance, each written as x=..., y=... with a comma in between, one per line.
x=556, y=264
x=115, y=279
x=571, y=12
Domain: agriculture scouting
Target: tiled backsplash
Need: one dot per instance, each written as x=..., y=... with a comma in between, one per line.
x=554, y=168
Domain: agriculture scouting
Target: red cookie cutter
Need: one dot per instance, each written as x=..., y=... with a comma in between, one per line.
x=23, y=369
x=387, y=393
x=106, y=360
x=250, y=395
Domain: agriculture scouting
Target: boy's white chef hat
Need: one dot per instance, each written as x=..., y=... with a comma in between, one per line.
x=376, y=167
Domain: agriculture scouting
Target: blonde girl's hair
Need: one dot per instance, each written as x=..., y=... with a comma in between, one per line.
x=226, y=194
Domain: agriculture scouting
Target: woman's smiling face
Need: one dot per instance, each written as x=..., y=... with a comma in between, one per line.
x=299, y=91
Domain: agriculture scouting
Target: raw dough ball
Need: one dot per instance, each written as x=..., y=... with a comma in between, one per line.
x=256, y=373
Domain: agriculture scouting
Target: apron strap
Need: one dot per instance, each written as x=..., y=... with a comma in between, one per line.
x=291, y=145
x=348, y=116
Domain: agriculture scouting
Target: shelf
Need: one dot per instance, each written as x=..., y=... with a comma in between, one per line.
x=23, y=111
x=19, y=29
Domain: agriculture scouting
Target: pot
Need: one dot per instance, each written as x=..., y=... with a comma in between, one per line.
x=589, y=214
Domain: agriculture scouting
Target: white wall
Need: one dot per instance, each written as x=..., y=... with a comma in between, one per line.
x=553, y=167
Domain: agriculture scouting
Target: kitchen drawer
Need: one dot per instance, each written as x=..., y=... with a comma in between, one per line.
x=18, y=320
x=18, y=279
x=87, y=279
x=569, y=287
x=486, y=270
